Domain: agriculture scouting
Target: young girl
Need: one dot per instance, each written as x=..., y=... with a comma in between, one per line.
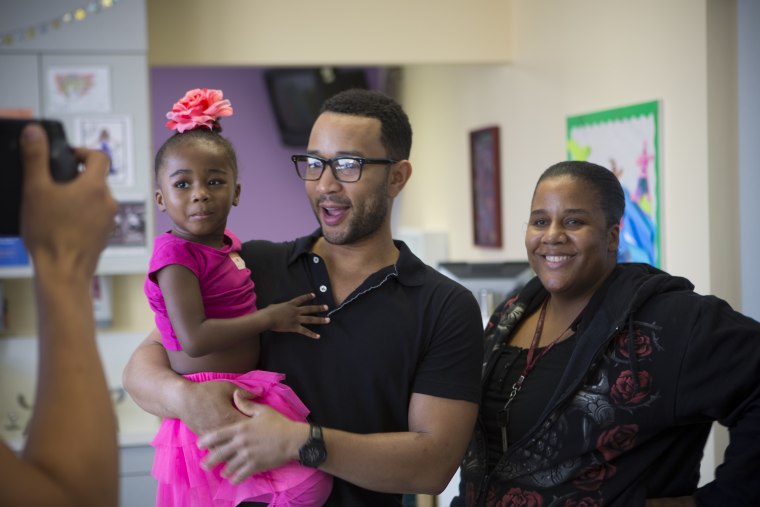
x=205, y=308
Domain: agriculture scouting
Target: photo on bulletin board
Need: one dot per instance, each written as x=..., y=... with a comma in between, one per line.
x=130, y=230
x=101, y=300
x=626, y=141
x=75, y=89
x=113, y=136
x=486, y=187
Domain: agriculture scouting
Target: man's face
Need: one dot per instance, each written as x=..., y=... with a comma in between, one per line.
x=349, y=213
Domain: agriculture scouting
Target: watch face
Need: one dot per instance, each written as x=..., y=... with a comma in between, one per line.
x=313, y=453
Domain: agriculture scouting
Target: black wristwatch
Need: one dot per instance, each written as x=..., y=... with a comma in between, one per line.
x=313, y=452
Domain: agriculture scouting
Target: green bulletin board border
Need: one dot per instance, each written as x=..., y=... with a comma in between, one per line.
x=624, y=113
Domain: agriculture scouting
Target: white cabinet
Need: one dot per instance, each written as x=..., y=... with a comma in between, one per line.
x=136, y=486
x=47, y=75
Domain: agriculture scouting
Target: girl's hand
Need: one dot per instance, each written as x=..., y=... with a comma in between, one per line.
x=291, y=316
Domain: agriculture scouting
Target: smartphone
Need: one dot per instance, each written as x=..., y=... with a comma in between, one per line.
x=63, y=166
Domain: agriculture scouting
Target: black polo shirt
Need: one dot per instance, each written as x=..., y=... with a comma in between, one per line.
x=407, y=329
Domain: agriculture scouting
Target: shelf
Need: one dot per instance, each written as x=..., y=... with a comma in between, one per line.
x=112, y=262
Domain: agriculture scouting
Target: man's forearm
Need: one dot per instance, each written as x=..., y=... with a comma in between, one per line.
x=150, y=381
x=422, y=460
x=157, y=389
x=391, y=462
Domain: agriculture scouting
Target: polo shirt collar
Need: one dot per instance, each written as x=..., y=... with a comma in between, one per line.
x=411, y=270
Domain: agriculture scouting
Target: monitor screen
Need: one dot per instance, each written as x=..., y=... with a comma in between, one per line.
x=297, y=94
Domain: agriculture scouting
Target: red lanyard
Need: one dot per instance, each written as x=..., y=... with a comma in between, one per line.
x=503, y=414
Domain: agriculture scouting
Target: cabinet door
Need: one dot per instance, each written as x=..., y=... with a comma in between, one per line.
x=20, y=83
x=137, y=491
x=136, y=486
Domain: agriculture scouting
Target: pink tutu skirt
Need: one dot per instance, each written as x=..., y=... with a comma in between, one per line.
x=183, y=482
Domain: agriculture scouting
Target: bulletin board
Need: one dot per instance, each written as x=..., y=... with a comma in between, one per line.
x=626, y=141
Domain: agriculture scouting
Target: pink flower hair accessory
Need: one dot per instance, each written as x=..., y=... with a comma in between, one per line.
x=200, y=107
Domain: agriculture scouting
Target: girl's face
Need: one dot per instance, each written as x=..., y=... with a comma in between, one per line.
x=569, y=245
x=197, y=187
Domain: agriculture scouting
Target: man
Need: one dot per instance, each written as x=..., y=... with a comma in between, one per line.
x=393, y=382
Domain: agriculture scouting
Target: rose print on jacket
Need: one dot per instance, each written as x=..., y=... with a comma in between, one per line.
x=624, y=391
x=617, y=440
x=586, y=501
x=619, y=381
x=642, y=344
x=645, y=342
x=591, y=478
x=516, y=497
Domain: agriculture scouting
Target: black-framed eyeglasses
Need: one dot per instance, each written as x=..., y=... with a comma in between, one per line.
x=346, y=169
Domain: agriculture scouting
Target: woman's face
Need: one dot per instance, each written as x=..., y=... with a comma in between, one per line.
x=569, y=245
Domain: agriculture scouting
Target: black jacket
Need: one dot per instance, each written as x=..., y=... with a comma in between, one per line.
x=655, y=364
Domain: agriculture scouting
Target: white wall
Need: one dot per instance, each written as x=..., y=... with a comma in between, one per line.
x=749, y=152
x=583, y=56
x=115, y=38
x=570, y=58
x=300, y=32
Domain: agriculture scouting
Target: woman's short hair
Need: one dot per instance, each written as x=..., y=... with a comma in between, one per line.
x=602, y=180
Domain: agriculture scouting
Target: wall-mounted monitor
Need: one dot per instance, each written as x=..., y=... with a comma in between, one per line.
x=296, y=95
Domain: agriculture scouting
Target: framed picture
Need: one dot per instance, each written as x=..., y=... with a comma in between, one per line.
x=130, y=230
x=486, y=187
x=78, y=89
x=101, y=300
x=626, y=141
x=113, y=136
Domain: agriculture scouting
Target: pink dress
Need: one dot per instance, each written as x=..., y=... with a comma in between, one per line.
x=227, y=291
x=183, y=482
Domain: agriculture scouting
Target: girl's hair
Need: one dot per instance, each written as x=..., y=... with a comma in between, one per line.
x=195, y=118
x=606, y=185
x=198, y=134
x=395, y=129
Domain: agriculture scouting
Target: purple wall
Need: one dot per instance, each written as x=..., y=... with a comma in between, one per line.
x=273, y=203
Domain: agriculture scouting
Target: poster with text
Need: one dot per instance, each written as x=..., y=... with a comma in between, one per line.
x=626, y=141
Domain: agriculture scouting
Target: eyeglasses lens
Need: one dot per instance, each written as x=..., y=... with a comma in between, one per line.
x=345, y=169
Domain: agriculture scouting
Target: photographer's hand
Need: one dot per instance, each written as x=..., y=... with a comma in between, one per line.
x=65, y=226
x=70, y=456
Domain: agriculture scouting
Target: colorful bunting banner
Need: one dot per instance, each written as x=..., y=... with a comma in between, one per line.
x=43, y=28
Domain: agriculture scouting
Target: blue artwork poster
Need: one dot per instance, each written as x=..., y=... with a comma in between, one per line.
x=625, y=140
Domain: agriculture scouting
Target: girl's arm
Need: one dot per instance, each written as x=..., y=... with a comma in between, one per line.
x=200, y=336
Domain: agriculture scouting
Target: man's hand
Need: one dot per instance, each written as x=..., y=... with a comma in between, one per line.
x=208, y=406
x=264, y=440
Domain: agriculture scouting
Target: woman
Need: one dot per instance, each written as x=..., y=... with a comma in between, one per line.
x=601, y=380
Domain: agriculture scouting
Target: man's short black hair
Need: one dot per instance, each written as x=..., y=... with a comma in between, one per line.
x=395, y=129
